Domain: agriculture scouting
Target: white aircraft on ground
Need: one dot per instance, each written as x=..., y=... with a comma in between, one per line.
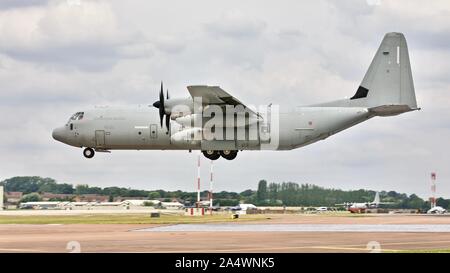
x=361, y=207
x=437, y=210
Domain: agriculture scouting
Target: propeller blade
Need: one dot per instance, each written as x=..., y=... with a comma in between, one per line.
x=161, y=105
x=161, y=94
x=167, y=122
x=167, y=94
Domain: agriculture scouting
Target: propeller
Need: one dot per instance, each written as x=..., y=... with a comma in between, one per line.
x=167, y=116
x=162, y=109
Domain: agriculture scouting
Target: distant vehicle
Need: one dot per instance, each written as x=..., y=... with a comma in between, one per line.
x=215, y=208
x=247, y=206
x=233, y=208
x=361, y=207
x=321, y=209
x=206, y=205
x=437, y=210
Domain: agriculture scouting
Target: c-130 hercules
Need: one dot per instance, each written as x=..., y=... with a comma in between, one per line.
x=218, y=124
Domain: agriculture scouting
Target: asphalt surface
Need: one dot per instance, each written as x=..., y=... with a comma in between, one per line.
x=296, y=228
x=277, y=233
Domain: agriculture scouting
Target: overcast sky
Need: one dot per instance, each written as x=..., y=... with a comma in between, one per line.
x=60, y=57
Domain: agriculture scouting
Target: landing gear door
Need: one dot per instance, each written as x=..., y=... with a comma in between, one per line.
x=100, y=139
x=218, y=145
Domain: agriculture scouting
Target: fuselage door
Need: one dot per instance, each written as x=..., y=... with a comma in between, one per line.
x=100, y=138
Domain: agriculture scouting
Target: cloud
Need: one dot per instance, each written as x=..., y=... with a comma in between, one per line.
x=170, y=44
x=12, y=4
x=235, y=24
x=84, y=36
x=57, y=59
x=428, y=25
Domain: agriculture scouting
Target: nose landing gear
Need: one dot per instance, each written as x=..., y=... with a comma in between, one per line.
x=89, y=153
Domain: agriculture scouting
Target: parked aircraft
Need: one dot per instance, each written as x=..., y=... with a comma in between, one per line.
x=437, y=210
x=218, y=124
x=361, y=207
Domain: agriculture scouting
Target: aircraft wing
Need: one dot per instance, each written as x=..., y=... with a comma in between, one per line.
x=214, y=95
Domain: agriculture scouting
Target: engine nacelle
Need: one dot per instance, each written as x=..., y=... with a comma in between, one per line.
x=191, y=136
x=198, y=120
x=178, y=107
x=190, y=120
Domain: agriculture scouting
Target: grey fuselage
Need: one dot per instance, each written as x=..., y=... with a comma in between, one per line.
x=387, y=89
x=138, y=128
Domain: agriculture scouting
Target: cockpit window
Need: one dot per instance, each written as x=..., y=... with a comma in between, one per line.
x=76, y=116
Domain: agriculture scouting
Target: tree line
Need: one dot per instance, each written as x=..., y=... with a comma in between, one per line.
x=294, y=194
x=267, y=194
x=32, y=186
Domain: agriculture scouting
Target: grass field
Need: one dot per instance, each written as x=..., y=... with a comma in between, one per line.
x=121, y=219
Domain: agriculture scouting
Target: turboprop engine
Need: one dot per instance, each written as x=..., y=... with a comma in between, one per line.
x=190, y=120
x=198, y=120
x=189, y=136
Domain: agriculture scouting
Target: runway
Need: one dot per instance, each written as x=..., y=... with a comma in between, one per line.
x=295, y=228
x=276, y=233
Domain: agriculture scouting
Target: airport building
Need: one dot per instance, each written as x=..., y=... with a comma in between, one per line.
x=123, y=205
x=13, y=197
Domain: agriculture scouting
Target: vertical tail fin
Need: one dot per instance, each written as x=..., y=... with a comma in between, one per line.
x=376, y=200
x=388, y=84
x=387, y=88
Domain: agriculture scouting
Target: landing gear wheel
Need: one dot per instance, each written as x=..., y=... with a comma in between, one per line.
x=228, y=155
x=213, y=155
x=88, y=153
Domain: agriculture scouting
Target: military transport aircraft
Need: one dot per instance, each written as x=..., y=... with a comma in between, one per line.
x=218, y=124
x=361, y=207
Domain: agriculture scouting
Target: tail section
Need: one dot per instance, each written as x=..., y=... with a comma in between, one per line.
x=389, y=82
x=376, y=200
x=387, y=88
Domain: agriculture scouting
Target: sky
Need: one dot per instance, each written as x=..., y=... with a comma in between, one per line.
x=58, y=57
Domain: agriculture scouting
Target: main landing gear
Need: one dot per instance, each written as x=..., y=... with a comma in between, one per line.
x=89, y=153
x=214, y=155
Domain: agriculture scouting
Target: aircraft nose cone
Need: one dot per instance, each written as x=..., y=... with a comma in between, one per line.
x=58, y=134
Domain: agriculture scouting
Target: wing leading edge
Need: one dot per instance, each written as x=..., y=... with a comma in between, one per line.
x=214, y=95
